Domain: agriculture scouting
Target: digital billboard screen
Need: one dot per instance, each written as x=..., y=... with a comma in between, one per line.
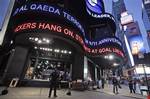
x=68, y=28
x=136, y=44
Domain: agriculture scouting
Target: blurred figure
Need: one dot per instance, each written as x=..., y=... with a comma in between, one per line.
x=54, y=79
x=134, y=84
x=131, y=86
x=99, y=83
x=103, y=82
x=68, y=78
x=115, y=85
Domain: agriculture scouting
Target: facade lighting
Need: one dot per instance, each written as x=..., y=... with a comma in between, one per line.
x=62, y=51
x=35, y=47
x=115, y=64
x=50, y=49
x=65, y=51
x=44, y=39
x=11, y=42
x=39, y=41
x=36, y=39
x=110, y=57
x=47, y=41
x=69, y=52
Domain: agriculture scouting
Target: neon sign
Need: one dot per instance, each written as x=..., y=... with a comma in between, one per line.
x=59, y=29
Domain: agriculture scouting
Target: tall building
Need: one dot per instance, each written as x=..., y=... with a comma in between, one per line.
x=146, y=18
x=6, y=7
x=128, y=31
x=118, y=7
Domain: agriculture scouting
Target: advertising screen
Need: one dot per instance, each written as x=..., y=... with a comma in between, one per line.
x=140, y=70
x=43, y=18
x=126, y=19
x=136, y=44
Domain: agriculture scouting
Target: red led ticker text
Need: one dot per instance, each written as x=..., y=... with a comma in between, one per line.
x=66, y=31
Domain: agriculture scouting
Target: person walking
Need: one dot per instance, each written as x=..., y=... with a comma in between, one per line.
x=115, y=85
x=99, y=83
x=134, y=84
x=103, y=82
x=68, y=78
x=54, y=79
x=131, y=86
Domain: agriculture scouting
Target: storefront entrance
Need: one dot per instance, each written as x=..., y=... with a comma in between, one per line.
x=40, y=69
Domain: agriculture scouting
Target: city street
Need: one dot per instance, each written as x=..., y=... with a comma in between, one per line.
x=97, y=49
x=42, y=93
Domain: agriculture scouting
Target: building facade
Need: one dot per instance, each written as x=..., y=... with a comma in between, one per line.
x=146, y=18
x=6, y=7
x=48, y=34
x=118, y=7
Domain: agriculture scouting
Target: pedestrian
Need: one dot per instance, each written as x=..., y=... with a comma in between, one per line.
x=103, y=82
x=131, y=86
x=115, y=85
x=54, y=79
x=99, y=83
x=68, y=78
x=134, y=84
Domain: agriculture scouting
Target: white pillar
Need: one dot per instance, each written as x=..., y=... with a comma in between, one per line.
x=85, y=67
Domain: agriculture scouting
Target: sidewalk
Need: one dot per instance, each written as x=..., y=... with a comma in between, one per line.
x=124, y=91
x=42, y=93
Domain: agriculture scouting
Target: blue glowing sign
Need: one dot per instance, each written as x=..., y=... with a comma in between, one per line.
x=51, y=10
x=94, y=6
x=60, y=12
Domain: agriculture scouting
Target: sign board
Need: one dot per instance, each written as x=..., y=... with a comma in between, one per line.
x=126, y=19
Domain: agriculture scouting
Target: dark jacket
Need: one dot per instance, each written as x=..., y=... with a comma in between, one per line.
x=54, y=77
x=131, y=84
x=115, y=81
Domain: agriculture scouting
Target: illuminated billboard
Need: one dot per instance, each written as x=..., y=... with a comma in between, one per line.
x=140, y=70
x=126, y=18
x=103, y=46
x=51, y=20
x=137, y=44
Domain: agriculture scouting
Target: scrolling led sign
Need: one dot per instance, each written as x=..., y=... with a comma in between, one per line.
x=68, y=32
x=51, y=10
x=59, y=12
x=88, y=45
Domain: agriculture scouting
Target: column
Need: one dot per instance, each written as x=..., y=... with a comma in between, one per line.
x=16, y=63
x=78, y=66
